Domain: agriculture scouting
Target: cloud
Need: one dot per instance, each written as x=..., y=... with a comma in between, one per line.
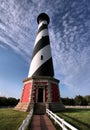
x=69, y=31
x=71, y=49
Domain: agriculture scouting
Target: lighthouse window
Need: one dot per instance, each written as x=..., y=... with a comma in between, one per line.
x=41, y=57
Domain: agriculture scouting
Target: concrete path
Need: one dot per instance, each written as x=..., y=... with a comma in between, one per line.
x=41, y=122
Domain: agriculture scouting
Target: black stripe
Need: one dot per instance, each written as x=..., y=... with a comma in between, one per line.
x=45, y=70
x=44, y=26
x=40, y=44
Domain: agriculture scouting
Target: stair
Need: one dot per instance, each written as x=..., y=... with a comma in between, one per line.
x=22, y=106
x=39, y=109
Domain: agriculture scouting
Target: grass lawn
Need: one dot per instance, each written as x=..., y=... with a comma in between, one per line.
x=80, y=118
x=11, y=119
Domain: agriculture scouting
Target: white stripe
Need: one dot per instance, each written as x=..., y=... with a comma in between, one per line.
x=37, y=62
x=41, y=23
x=40, y=35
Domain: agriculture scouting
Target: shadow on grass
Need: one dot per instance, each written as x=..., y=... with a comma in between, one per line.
x=87, y=125
x=75, y=120
x=71, y=110
x=79, y=123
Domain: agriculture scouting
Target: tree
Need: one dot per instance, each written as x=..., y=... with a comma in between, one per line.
x=8, y=101
x=12, y=101
x=68, y=101
x=79, y=100
x=87, y=99
x=3, y=101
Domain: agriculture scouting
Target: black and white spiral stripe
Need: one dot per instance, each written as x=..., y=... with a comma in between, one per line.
x=41, y=64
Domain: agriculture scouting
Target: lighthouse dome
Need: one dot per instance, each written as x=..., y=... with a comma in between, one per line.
x=42, y=17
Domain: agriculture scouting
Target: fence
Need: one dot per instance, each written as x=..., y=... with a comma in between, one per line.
x=61, y=122
x=82, y=107
x=26, y=121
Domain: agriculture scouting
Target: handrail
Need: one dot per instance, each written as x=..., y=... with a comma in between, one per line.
x=26, y=121
x=61, y=122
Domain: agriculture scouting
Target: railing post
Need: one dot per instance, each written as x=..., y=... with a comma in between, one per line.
x=55, y=120
x=63, y=126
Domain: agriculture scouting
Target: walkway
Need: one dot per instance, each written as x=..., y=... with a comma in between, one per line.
x=41, y=122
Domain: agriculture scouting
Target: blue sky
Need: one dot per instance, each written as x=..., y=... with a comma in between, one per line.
x=69, y=32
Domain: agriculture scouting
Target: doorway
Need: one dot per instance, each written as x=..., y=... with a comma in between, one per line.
x=40, y=94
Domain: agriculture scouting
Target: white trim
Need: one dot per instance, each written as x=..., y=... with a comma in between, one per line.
x=30, y=92
x=43, y=87
x=36, y=95
x=44, y=94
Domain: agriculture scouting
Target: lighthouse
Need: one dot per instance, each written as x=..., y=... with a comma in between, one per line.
x=41, y=88
x=41, y=64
